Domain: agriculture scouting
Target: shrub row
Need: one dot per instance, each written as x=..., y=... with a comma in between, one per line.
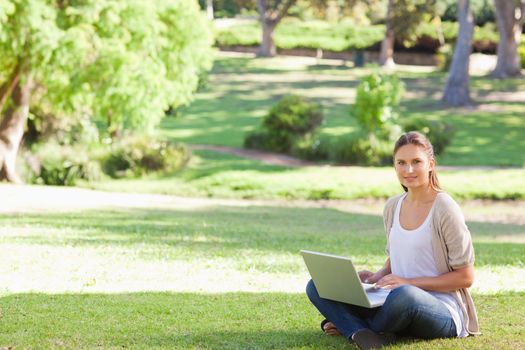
x=293, y=33
x=132, y=156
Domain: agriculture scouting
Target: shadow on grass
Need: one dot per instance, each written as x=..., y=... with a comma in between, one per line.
x=228, y=231
x=211, y=321
x=216, y=162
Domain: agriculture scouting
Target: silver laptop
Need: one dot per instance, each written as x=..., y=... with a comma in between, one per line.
x=336, y=279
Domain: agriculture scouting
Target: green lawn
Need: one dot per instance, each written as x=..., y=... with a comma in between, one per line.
x=211, y=277
x=213, y=174
x=211, y=321
x=241, y=90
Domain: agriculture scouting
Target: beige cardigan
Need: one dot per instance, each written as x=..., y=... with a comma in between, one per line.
x=451, y=245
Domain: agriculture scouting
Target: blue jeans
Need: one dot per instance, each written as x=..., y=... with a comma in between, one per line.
x=408, y=310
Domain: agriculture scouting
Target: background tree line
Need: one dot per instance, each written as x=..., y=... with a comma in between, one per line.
x=401, y=18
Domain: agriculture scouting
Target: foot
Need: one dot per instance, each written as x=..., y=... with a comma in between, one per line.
x=367, y=339
x=329, y=328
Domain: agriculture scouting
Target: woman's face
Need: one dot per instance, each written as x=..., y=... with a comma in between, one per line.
x=412, y=166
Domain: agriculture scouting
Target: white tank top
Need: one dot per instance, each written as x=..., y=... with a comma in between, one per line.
x=411, y=257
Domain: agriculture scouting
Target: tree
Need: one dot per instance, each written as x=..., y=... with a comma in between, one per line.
x=386, y=55
x=270, y=14
x=510, y=17
x=456, y=91
x=119, y=64
x=402, y=19
x=209, y=9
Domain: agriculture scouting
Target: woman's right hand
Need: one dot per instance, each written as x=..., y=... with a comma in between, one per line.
x=369, y=277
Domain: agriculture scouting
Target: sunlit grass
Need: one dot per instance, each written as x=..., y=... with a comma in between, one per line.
x=211, y=249
x=217, y=321
x=242, y=89
x=213, y=174
x=213, y=277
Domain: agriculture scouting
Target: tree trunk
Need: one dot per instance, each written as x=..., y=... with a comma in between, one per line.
x=386, y=57
x=270, y=18
x=509, y=18
x=267, y=48
x=209, y=9
x=12, y=129
x=456, y=91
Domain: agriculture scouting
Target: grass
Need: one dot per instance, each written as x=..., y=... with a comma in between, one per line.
x=203, y=321
x=242, y=89
x=211, y=277
x=213, y=174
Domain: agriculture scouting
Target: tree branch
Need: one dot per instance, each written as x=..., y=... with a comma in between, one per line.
x=7, y=88
x=284, y=10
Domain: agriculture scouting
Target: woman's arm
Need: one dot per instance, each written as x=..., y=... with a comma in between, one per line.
x=447, y=282
x=370, y=277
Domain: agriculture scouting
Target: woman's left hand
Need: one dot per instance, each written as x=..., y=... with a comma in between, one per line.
x=391, y=281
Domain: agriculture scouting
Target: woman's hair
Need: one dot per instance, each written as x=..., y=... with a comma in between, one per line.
x=418, y=139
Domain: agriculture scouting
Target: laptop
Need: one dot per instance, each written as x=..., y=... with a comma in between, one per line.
x=336, y=279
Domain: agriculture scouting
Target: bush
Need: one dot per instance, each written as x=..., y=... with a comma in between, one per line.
x=311, y=147
x=269, y=140
x=54, y=164
x=444, y=57
x=134, y=156
x=362, y=150
x=521, y=52
x=440, y=134
x=290, y=120
x=378, y=96
x=295, y=115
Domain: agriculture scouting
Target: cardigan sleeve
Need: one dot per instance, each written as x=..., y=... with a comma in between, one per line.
x=388, y=216
x=456, y=235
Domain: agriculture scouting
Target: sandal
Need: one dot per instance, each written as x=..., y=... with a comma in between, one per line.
x=323, y=322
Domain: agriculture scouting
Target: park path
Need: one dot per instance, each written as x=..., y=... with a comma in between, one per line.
x=272, y=158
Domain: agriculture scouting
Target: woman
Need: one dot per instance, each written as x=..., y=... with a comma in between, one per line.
x=430, y=263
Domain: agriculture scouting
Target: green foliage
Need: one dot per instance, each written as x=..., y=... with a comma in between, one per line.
x=521, y=52
x=121, y=63
x=290, y=120
x=361, y=150
x=62, y=165
x=444, y=57
x=439, y=133
x=345, y=35
x=241, y=34
x=375, y=108
x=293, y=33
x=295, y=115
x=483, y=10
x=72, y=130
x=311, y=147
x=229, y=8
x=408, y=15
x=340, y=36
x=134, y=156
